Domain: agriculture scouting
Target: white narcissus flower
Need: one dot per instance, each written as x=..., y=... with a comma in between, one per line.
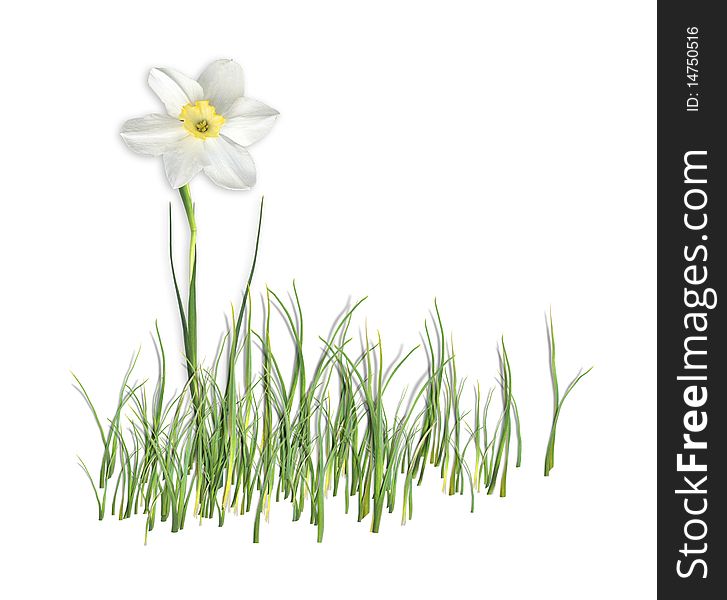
x=208, y=125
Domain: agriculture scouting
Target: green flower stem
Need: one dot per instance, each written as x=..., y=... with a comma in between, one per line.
x=189, y=210
x=190, y=331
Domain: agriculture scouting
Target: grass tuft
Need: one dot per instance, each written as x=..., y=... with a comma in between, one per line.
x=246, y=433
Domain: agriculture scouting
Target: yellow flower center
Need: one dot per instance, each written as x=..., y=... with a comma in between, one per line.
x=201, y=120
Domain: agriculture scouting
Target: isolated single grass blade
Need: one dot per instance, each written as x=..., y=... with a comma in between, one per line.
x=557, y=399
x=101, y=504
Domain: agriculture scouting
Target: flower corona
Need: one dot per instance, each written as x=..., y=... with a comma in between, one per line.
x=201, y=119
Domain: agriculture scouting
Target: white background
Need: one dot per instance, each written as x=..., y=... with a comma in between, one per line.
x=497, y=156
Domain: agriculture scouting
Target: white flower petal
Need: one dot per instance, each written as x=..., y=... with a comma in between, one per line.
x=174, y=89
x=231, y=166
x=223, y=83
x=186, y=160
x=248, y=121
x=152, y=134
